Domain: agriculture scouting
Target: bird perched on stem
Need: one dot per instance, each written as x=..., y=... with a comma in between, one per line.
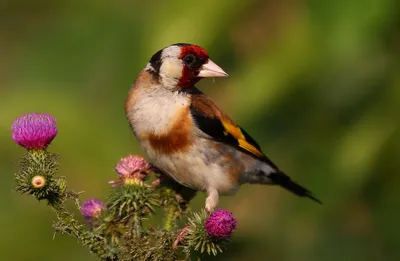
x=187, y=136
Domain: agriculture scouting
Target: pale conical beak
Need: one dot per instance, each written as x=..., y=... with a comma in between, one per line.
x=210, y=69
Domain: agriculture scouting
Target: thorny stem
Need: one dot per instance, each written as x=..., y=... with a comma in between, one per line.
x=72, y=228
x=137, y=223
x=65, y=216
x=170, y=218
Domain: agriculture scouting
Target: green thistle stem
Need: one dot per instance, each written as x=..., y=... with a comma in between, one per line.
x=170, y=218
x=137, y=224
x=68, y=225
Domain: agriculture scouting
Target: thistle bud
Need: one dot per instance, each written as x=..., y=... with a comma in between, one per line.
x=38, y=182
x=91, y=209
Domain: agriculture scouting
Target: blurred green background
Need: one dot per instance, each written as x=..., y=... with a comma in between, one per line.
x=316, y=82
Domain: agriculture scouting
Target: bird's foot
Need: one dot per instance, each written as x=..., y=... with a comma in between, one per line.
x=211, y=200
x=159, y=180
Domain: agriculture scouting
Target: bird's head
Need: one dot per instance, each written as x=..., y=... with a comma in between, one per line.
x=180, y=66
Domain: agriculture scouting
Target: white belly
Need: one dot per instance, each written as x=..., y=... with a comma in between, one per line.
x=193, y=169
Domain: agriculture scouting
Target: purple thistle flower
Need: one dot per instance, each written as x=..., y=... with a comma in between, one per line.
x=34, y=131
x=220, y=224
x=131, y=164
x=92, y=208
x=132, y=169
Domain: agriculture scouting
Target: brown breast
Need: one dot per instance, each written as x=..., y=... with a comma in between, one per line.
x=178, y=138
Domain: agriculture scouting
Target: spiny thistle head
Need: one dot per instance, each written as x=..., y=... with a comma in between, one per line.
x=132, y=169
x=34, y=131
x=92, y=208
x=220, y=224
x=209, y=233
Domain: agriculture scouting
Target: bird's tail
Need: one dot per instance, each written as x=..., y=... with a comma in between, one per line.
x=284, y=181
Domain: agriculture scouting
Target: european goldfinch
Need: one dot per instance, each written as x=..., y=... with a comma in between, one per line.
x=187, y=136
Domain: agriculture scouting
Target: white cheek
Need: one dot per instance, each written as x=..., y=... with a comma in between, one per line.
x=171, y=68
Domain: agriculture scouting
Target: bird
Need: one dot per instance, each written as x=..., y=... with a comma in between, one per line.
x=188, y=137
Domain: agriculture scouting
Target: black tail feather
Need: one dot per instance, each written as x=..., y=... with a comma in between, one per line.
x=284, y=181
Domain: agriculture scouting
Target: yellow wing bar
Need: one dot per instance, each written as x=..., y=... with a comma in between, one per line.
x=241, y=139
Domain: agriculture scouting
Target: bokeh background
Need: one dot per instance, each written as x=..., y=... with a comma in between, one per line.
x=316, y=82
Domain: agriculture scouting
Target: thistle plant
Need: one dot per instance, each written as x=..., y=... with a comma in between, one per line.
x=119, y=228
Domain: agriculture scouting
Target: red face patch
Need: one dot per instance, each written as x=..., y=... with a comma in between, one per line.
x=197, y=51
x=193, y=58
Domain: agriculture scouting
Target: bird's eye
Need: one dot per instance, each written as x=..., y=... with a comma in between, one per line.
x=189, y=59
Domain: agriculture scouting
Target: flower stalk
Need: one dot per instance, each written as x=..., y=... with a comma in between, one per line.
x=137, y=224
x=170, y=218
